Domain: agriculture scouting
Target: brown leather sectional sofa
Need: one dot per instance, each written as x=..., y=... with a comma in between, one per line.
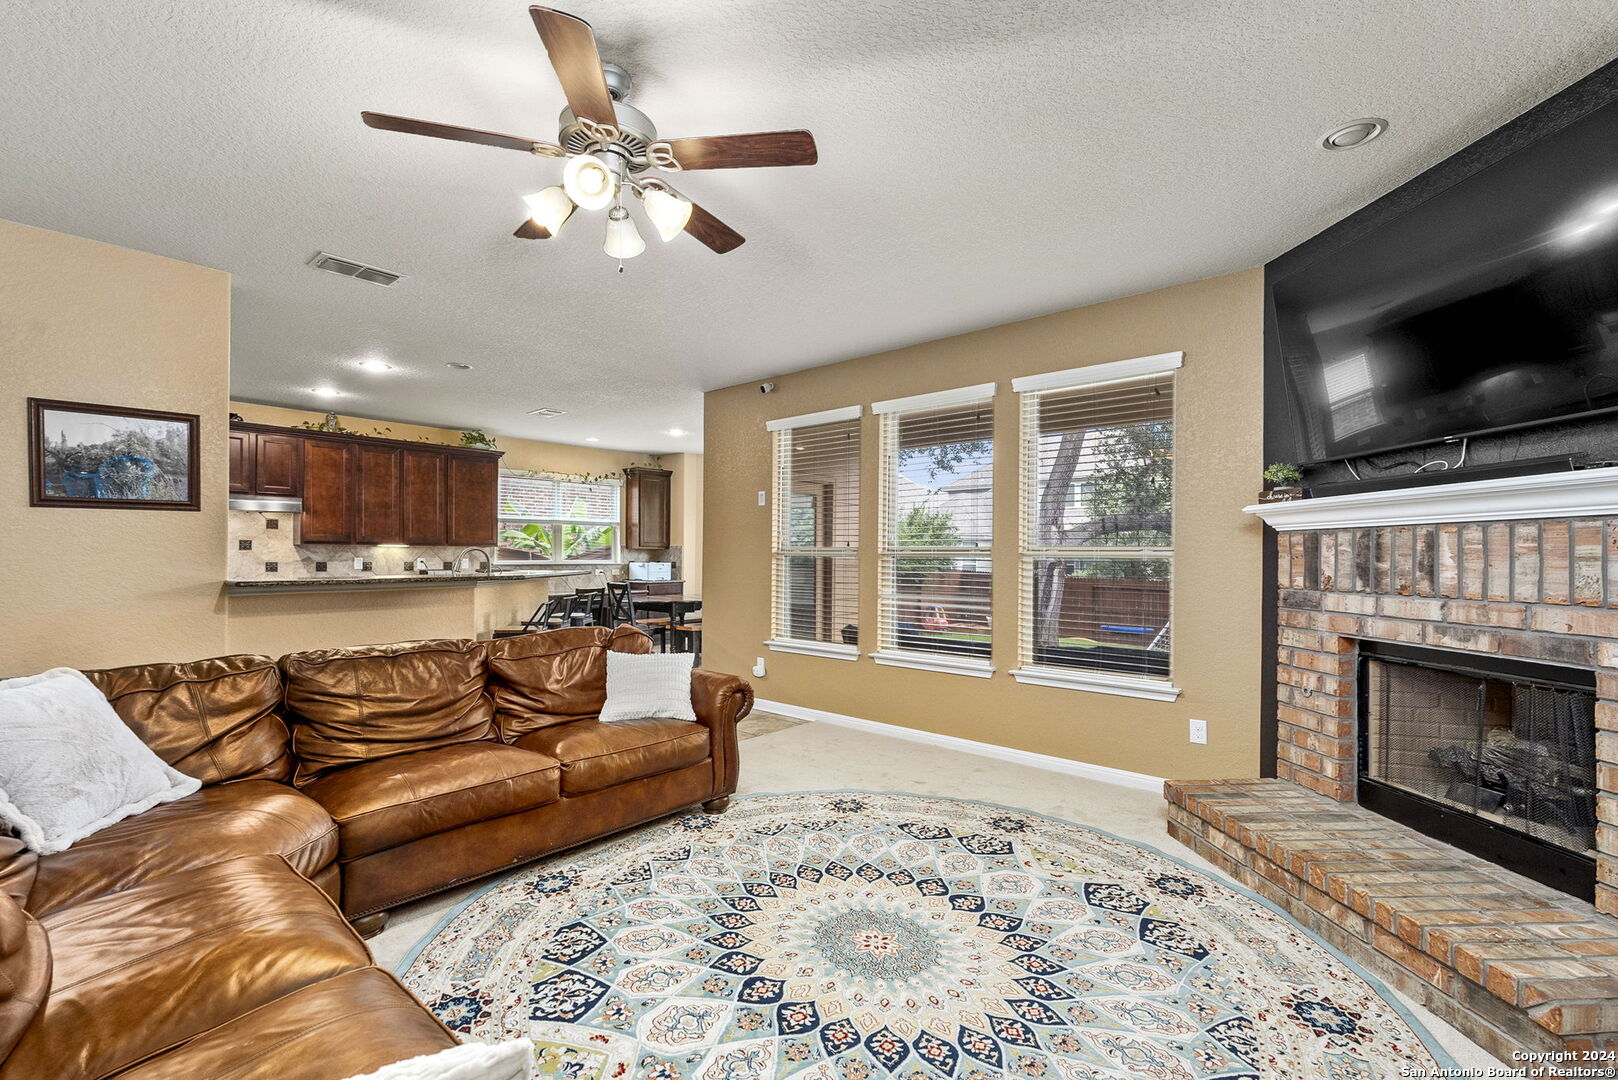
x=211, y=938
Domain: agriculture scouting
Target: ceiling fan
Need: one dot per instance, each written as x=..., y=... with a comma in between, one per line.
x=611, y=146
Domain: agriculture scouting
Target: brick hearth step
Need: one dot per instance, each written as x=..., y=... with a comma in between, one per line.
x=1512, y=963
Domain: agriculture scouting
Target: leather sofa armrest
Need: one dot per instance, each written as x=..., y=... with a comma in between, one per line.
x=719, y=702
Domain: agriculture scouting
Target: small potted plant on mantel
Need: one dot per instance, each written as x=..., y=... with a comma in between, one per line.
x=1282, y=483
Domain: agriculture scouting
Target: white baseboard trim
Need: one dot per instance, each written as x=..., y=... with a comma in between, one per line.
x=1067, y=766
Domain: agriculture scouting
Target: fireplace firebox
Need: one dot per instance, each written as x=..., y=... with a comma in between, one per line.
x=1492, y=755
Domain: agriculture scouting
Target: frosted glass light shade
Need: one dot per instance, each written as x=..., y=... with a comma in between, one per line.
x=549, y=209
x=588, y=182
x=668, y=212
x=623, y=239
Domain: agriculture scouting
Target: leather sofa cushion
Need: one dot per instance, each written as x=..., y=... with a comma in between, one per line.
x=224, y=821
x=354, y=705
x=348, y=1025
x=596, y=755
x=554, y=677
x=381, y=804
x=214, y=719
x=143, y=970
x=25, y=972
x=17, y=867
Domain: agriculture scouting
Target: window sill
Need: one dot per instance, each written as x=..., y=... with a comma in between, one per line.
x=828, y=649
x=1097, y=683
x=950, y=665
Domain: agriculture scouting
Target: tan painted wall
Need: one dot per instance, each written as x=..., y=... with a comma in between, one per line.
x=1218, y=324
x=85, y=321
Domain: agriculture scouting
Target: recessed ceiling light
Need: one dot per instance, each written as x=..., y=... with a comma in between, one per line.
x=676, y=432
x=373, y=365
x=459, y=367
x=1355, y=133
x=325, y=391
x=591, y=438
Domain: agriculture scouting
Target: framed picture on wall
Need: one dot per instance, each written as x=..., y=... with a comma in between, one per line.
x=111, y=456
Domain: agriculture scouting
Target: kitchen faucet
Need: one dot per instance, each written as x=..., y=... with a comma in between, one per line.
x=488, y=563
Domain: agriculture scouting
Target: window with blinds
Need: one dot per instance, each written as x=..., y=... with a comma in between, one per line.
x=936, y=529
x=1098, y=519
x=815, y=567
x=547, y=519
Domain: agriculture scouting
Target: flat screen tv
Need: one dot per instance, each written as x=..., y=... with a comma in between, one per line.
x=1491, y=305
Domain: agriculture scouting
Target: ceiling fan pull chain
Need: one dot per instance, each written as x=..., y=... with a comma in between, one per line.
x=661, y=155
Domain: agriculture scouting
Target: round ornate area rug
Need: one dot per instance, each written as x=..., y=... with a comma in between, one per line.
x=861, y=936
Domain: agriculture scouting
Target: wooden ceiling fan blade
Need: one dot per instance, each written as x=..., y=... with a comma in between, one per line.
x=409, y=126
x=713, y=232
x=572, y=48
x=761, y=149
x=532, y=230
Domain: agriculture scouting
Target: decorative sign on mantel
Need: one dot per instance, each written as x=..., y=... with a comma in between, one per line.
x=1583, y=493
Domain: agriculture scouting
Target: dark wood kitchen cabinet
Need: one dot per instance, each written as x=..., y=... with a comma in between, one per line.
x=328, y=507
x=474, y=496
x=378, y=513
x=241, y=462
x=362, y=490
x=277, y=464
x=426, y=497
x=648, y=496
x=265, y=463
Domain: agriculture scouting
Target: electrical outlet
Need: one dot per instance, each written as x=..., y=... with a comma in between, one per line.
x=758, y=668
x=763, y=498
x=1199, y=731
x=359, y=564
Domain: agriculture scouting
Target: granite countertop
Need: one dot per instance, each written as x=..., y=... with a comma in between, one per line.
x=397, y=581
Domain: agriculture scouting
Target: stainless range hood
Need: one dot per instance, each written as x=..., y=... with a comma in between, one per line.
x=268, y=504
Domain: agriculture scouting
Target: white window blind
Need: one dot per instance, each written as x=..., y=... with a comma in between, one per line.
x=936, y=530
x=815, y=571
x=544, y=519
x=1097, y=527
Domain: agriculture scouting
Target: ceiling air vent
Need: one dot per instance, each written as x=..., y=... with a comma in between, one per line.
x=546, y=413
x=334, y=264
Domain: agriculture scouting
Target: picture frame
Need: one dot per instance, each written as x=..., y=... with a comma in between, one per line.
x=112, y=457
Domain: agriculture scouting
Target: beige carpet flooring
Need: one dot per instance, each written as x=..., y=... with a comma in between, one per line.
x=786, y=755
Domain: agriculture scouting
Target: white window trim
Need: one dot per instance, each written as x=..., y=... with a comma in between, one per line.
x=1095, y=682
x=1098, y=683
x=966, y=395
x=1096, y=374
x=949, y=665
x=831, y=650
x=826, y=416
x=617, y=524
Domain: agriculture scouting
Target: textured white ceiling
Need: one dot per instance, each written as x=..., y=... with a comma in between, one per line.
x=979, y=163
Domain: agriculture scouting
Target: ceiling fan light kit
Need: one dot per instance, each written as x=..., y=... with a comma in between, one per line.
x=549, y=209
x=608, y=144
x=623, y=239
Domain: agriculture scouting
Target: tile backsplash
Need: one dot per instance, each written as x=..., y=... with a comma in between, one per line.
x=262, y=546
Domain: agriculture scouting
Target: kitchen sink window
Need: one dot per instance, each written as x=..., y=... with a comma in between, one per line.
x=551, y=520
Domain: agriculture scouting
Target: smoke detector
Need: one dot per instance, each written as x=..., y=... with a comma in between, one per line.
x=336, y=264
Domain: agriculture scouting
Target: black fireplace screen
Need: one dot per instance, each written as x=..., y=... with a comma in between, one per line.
x=1512, y=752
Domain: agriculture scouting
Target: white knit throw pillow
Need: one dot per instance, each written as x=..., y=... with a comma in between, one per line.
x=511, y=1060
x=641, y=685
x=69, y=766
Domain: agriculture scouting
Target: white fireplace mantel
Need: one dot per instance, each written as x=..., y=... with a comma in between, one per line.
x=1584, y=493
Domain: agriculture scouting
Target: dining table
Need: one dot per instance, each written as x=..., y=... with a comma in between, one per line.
x=678, y=605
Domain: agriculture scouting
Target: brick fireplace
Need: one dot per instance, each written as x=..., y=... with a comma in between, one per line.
x=1540, y=590
x=1493, y=576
